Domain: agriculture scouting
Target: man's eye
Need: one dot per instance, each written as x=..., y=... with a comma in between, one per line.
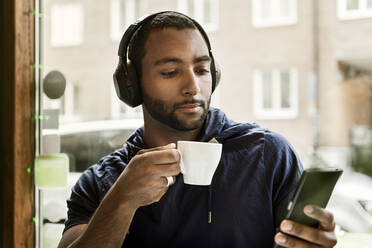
x=202, y=71
x=168, y=73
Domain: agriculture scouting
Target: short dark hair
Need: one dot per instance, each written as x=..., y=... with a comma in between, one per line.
x=136, y=49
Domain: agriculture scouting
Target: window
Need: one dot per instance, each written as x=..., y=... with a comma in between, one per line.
x=204, y=12
x=120, y=110
x=275, y=94
x=67, y=24
x=69, y=106
x=354, y=9
x=123, y=13
x=267, y=13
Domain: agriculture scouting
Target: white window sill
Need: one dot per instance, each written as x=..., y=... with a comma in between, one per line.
x=354, y=15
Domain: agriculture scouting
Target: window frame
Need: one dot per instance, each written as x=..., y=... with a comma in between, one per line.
x=259, y=22
x=276, y=112
x=199, y=13
x=360, y=13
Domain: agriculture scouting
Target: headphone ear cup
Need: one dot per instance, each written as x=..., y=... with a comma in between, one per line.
x=217, y=75
x=126, y=84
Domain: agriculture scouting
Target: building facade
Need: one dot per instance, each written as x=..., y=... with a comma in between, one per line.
x=300, y=68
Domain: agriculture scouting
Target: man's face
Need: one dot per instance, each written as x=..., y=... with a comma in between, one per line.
x=176, y=79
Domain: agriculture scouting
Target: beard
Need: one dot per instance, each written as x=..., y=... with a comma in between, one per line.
x=166, y=114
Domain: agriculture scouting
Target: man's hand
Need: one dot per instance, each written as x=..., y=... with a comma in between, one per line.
x=144, y=179
x=305, y=236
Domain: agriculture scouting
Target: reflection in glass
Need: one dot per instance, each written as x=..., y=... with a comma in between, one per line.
x=267, y=90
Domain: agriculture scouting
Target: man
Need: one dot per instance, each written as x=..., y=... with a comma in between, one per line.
x=126, y=200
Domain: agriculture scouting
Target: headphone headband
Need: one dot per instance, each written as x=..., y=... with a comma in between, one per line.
x=137, y=25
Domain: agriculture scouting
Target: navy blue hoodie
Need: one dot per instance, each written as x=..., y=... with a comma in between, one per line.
x=251, y=187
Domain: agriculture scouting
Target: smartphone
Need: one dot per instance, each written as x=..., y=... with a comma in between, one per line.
x=315, y=187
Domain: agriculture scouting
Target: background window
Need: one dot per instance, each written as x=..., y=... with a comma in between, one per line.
x=275, y=94
x=120, y=110
x=123, y=13
x=354, y=9
x=67, y=21
x=203, y=11
x=266, y=13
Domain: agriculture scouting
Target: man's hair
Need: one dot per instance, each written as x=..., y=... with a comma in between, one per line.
x=136, y=49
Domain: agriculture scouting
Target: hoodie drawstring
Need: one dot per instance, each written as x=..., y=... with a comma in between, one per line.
x=210, y=204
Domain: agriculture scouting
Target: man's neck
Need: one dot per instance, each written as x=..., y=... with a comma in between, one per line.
x=157, y=134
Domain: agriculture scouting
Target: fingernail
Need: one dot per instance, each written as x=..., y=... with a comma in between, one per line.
x=309, y=209
x=172, y=145
x=287, y=227
x=281, y=239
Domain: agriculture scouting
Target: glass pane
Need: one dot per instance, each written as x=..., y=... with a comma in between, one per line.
x=369, y=4
x=267, y=90
x=190, y=8
x=266, y=9
x=81, y=42
x=352, y=4
x=122, y=13
x=207, y=11
x=137, y=9
x=285, y=90
x=284, y=8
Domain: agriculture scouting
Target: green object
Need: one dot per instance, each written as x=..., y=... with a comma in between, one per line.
x=41, y=117
x=51, y=171
x=38, y=66
x=33, y=219
x=28, y=170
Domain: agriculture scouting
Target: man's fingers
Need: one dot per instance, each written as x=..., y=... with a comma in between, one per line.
x=159, y=148
x=310, y=234
x=167, y=170
x=288, y=241
x=325, y=218
x=159, y=157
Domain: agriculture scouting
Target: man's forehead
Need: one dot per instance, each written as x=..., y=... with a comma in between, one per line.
x=171, y=42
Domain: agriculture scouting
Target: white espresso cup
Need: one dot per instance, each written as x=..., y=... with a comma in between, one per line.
x=199, y=161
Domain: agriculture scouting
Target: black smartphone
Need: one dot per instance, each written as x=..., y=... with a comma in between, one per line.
x=315, y=187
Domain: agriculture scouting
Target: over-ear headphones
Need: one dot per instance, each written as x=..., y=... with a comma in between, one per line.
x=126, y=83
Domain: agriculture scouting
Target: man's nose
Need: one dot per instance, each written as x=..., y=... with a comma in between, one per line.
x=191, y=82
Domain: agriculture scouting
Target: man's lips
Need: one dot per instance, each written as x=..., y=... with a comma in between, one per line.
x=190, y=108
x=189, y=105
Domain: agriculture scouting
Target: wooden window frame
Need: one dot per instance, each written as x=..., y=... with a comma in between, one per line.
x=17, y=108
